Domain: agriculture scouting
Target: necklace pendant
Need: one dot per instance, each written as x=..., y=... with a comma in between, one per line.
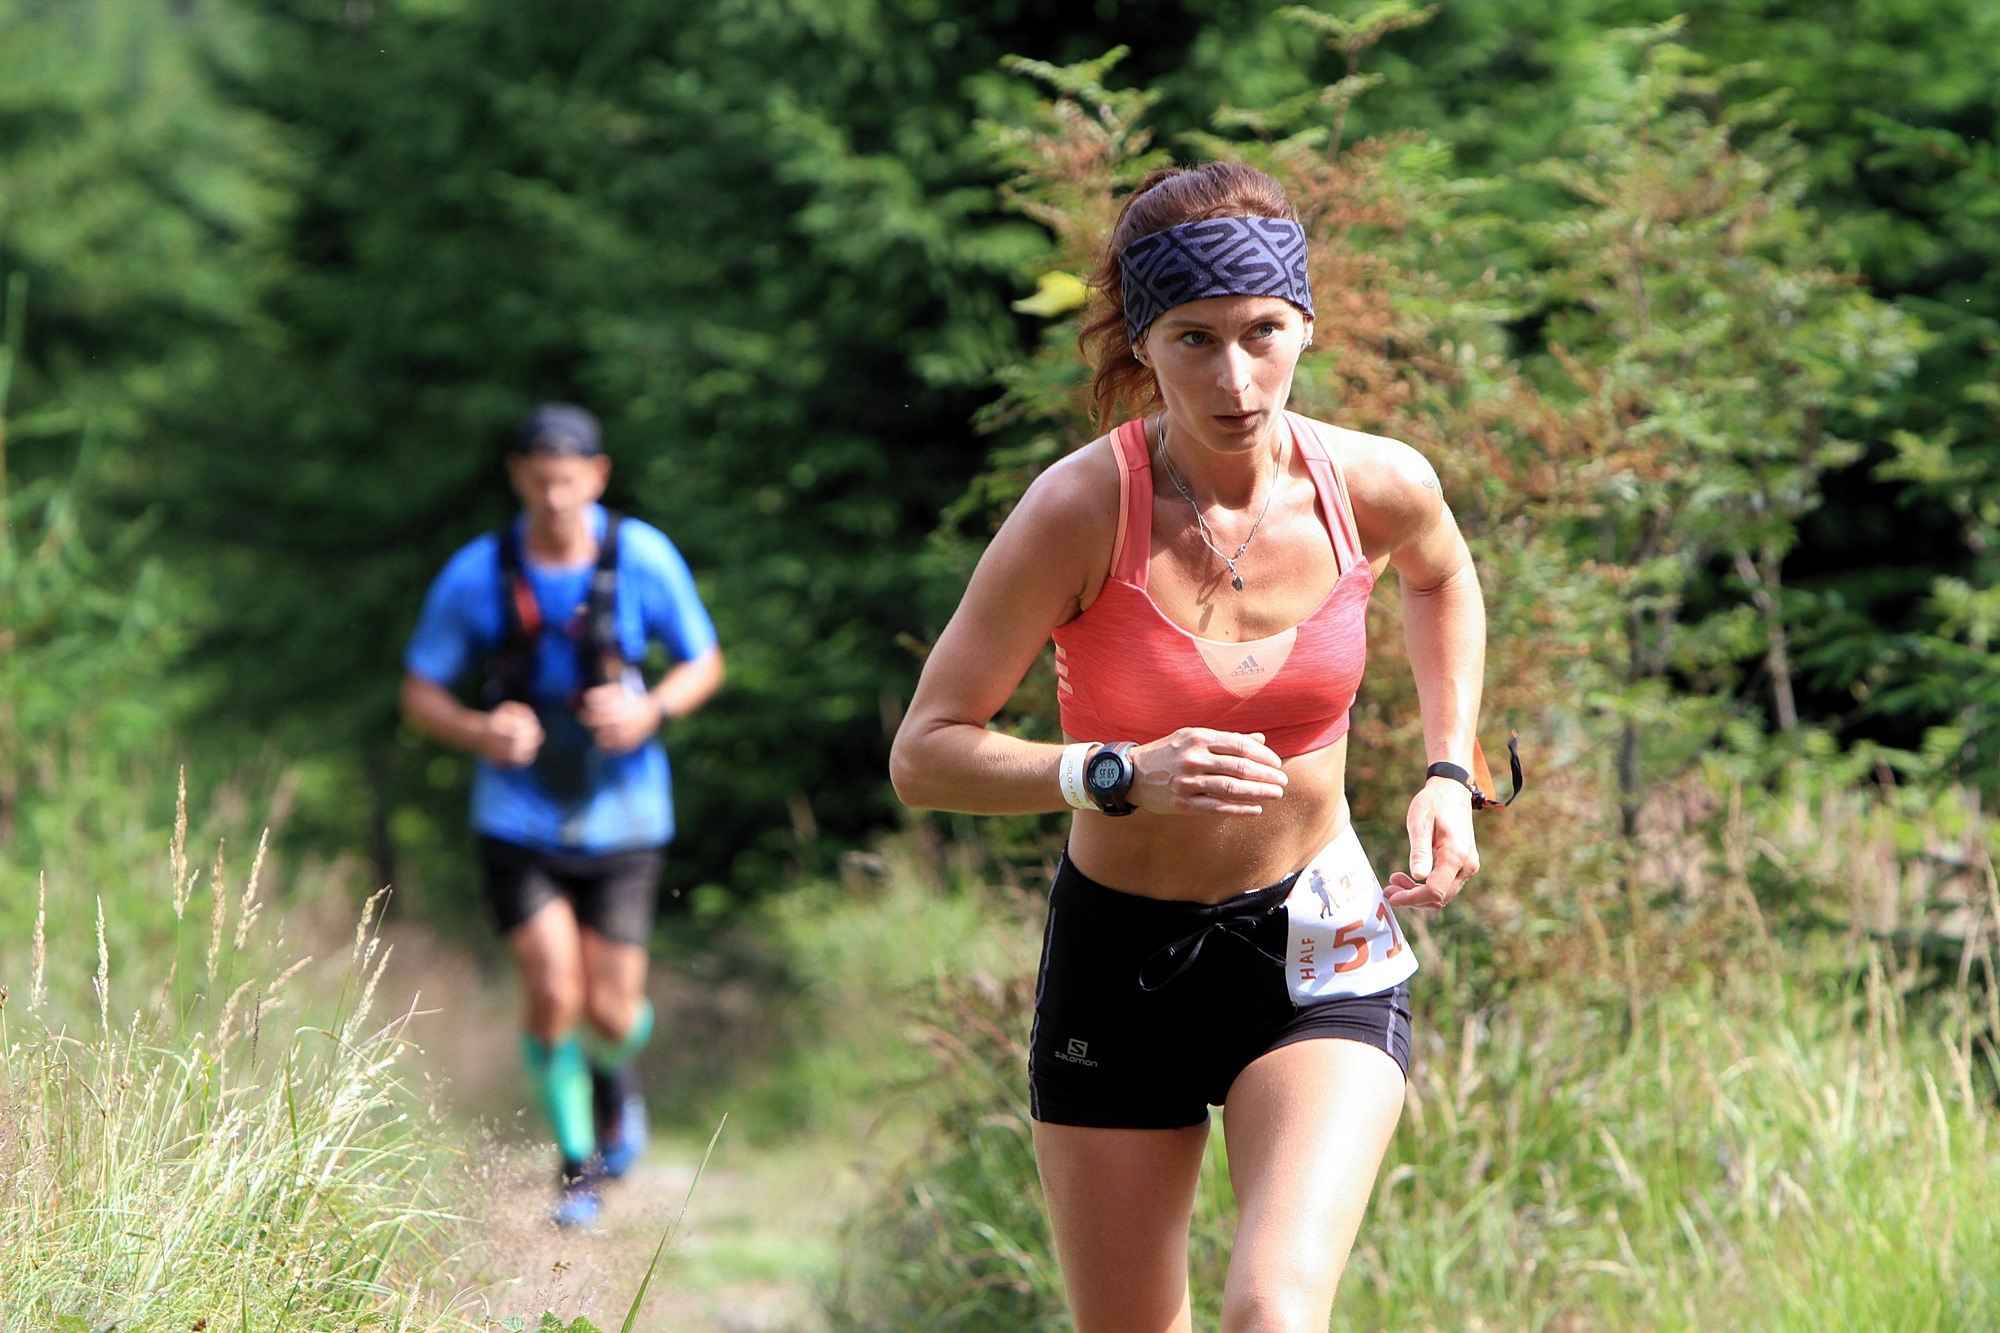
x=1236, y=582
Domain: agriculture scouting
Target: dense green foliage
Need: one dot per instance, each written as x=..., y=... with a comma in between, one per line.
x=297, y=263
x=1697, y=321
x=761, y=242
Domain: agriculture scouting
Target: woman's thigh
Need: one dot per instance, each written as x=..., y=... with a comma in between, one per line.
x=1119, y=1204
x=1307, y=1125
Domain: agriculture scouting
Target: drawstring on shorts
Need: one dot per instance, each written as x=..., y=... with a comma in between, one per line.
x=1183, y=951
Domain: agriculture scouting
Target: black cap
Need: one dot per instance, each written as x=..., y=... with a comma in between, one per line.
x=557, y=430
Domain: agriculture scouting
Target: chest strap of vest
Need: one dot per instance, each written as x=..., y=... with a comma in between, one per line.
x=513, y=675
x=604, y=653
x=601, y=655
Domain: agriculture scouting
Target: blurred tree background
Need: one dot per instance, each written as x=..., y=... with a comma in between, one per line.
x=281, y=272
x=1692, y=302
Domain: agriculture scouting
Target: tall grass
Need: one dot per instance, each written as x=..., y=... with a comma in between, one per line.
x=1743, y=1151
x=227, y=1155
x=1753, y=1088
x=199, y=1134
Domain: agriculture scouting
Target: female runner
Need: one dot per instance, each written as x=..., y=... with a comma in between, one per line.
x=1215, y=932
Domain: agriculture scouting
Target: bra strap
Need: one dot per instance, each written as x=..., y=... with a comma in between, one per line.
x=1134, y=546
x=1332, y=487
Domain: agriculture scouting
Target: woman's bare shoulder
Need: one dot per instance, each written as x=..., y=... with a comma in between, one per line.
x=1393, y=487
x=1061, y=531
x=1073, y=501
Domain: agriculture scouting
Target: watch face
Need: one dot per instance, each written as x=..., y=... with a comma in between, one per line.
x=1102, y=774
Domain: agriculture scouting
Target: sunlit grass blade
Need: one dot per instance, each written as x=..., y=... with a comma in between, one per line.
x=673, y=1228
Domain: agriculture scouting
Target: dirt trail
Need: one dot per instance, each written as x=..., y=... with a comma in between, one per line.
x=739, y=1262
x=758, y=1238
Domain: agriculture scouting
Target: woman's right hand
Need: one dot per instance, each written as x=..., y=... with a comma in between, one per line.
x=1213, y=772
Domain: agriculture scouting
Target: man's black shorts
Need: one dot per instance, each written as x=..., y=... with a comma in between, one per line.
x=1123, y=1039
x=613, y=894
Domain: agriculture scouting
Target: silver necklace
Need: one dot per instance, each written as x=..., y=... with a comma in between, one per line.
x=1201, y=524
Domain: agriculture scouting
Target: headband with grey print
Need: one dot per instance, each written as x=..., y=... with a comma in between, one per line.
x=1243, y=256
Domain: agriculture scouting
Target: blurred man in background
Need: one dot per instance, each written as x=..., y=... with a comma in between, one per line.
x=572, y=799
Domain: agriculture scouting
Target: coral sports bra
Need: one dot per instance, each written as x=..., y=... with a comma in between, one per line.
x=1126, y=672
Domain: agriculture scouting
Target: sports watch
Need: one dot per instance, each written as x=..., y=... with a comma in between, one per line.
x=1107, y=778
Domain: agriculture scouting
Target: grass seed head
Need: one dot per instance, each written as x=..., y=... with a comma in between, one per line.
x=367, y=919
x=41, y=951
x=103, y=978
x=367, y=1000
x=287, y=975
x=249, y=909
x=167, y=986
x=228, y=1021
x=217, y=918
x=177, y=852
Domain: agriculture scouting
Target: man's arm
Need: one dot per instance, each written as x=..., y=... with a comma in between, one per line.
x=688, y=685
x=509, y=736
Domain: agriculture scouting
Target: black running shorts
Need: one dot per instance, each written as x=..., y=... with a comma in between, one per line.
x=1147, y=1010
x=613, y=894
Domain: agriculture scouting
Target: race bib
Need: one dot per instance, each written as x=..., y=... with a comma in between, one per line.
x=1344, y=940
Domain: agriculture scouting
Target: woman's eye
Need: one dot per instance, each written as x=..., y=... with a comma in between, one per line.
x=1194, y=338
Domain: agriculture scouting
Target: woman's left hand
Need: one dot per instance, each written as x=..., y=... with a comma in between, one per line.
x=1442, y=852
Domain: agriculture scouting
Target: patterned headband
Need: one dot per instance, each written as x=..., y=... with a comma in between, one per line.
x=1249, y=256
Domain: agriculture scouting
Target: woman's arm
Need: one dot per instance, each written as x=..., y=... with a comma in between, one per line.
x=1044, y=566
x=1034, y=576
x=1401, y=512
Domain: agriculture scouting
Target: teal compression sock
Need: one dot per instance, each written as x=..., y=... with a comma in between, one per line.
x=562, y=1086
x=607, y=1056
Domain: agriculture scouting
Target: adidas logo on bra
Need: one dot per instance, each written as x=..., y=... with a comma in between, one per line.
x=1248, y=667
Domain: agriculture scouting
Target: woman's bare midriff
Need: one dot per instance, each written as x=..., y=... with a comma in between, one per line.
x=1213, y=858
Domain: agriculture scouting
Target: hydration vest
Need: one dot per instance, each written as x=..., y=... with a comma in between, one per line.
x=602, y=657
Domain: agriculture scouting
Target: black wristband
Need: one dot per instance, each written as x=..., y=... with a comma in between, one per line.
x=1480, y=800
x=1446, y=769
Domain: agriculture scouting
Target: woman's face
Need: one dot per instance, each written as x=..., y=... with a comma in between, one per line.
x=1224, y=365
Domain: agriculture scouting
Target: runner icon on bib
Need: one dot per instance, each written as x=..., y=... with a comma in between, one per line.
x=1342, y=938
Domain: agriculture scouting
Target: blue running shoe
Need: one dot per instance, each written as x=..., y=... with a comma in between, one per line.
x=624, y=1143
x=577, y=1202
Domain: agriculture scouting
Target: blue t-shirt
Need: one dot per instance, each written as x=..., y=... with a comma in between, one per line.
x=574, y=797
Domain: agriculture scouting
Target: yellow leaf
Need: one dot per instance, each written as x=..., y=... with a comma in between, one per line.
x=1055, y=294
